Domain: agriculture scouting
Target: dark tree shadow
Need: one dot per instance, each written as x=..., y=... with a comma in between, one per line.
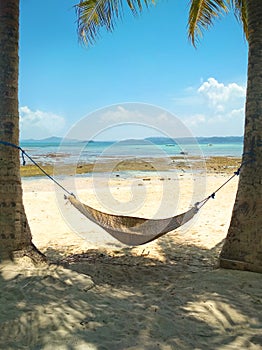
x=133, y=302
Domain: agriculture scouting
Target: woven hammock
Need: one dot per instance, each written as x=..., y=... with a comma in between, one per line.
x=128, y=229
x=133, y=230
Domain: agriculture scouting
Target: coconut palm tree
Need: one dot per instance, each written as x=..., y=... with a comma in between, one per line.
x=15, y=233
x=243, y=245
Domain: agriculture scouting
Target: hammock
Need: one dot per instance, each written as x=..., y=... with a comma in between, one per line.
x=128, y=229
x=133, y=230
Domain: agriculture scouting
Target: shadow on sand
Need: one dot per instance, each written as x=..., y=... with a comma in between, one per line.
x=131, y=302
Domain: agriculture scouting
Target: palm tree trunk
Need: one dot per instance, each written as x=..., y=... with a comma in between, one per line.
x=243, y=245
x=15, y=233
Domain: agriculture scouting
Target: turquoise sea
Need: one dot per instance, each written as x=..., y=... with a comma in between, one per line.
x=68, y=151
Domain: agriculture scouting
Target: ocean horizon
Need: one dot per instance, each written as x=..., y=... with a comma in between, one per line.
x=56, y=149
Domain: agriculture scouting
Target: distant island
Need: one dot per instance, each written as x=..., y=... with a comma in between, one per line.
x=155, y=140
x=200, y=140
x=52, y=139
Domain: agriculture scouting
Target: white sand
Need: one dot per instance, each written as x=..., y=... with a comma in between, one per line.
x=165, y=295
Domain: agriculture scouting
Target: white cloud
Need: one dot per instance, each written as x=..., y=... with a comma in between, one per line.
x=118, y=115
x=135, y=113
x=214, y=108
x=219, y=96
x=38, y=124
x=129, y=120
x=195, y=120
x=237, y=113
x=162, y=118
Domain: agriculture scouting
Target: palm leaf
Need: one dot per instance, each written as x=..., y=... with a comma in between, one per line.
x=240, y=9
x=96, y=14
x=202, y=14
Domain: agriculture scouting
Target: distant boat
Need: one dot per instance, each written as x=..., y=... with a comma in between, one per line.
x=170, y=145
x=183, y=152
x=210, y=144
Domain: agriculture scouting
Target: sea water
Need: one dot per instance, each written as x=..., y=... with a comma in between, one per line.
x=48, y=151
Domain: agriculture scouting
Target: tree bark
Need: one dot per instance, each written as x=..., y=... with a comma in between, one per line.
x=243, y=245
x=15, y=234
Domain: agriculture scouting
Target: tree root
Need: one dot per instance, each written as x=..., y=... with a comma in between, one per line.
x=31, y=252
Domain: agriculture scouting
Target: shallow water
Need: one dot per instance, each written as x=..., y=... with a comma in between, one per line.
x=91, y=152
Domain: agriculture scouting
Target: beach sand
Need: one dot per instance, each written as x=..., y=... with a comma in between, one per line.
x=99, y=294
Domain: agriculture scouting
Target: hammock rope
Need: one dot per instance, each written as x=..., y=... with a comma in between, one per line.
x=127, y=229
x=24, y=154
x=212, y=195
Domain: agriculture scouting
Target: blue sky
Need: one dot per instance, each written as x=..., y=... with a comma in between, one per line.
x=147, y=60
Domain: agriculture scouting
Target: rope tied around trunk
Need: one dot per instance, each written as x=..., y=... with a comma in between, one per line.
x=25, y=154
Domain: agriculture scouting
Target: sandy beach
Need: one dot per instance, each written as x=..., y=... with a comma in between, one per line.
x=99, y=294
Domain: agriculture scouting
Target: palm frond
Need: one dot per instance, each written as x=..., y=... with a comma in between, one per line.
x=92, y=15
x=240, y=9
x=202, y=14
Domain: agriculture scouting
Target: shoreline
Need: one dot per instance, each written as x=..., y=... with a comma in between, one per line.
x=217, y=164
